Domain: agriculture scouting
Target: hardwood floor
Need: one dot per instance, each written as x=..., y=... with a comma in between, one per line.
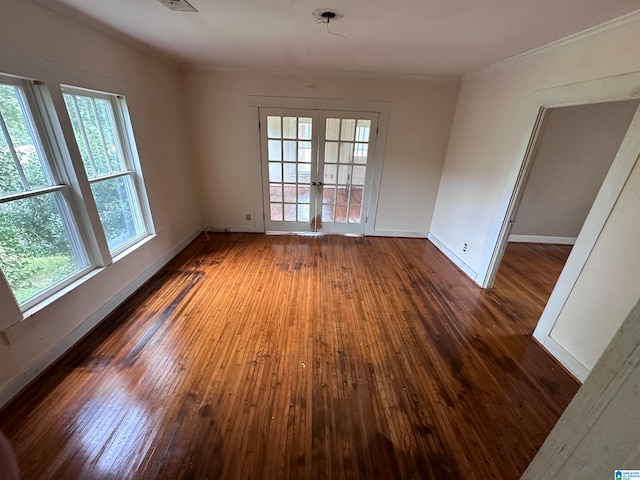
x=292, y=357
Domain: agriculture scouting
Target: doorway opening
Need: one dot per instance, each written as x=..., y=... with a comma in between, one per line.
x=571, y=153
x=317, y=170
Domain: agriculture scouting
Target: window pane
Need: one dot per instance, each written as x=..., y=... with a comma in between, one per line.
x=77, y=132
x=327, y=213
x=346, y=152
x=358, y=176
x=342, y=195
x=344, y=172
x=118, y=210
x=361, y=152
x=304, y=194
x=289, y=151
x=36, y=246
x=356, y=196
x=21, y=165
x=275, y=150
x=331, y=152
x=289, y=212
x=330, y=172
x=289, y=193
x=303, y=213
x=289, y=128
x=290, y=172
x=273, y=127
x=276, y=212
x=333, y=129
x=328, y=194
x=107, y=131
x=347, y=130
x=362, y=130
x=275, y=193
x=95, y=131
x=354, y=214
x=275, y=172
x=304, y=128
x=304, y=173
x=304, y=152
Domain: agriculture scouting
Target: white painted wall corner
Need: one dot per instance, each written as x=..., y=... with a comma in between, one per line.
x=470, y=272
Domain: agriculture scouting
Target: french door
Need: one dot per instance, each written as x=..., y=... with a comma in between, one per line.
x=316, y=169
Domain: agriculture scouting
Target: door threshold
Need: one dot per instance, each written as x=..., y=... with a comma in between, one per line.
x=300, y=234
x=313, y=234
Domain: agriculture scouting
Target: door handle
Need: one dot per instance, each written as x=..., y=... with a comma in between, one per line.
x=316, y=183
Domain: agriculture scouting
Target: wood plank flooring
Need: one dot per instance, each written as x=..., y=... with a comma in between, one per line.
x=277, y=357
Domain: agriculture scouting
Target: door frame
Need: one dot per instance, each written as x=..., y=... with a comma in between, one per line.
x=297, y=226
x=381, y=108
x=609, y=89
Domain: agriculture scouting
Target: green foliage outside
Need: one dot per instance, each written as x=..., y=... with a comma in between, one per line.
x=35, y=246
x=34, y=249
x=101, y=156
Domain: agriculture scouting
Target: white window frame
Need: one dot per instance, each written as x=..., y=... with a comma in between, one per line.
x=133, y=170
x=39, y=115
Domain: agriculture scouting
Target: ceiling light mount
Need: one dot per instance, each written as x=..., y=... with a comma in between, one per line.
x=327, y=15
x=178, y=5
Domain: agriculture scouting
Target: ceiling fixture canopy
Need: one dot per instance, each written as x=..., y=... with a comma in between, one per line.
x=326, y=15
x=178, y=5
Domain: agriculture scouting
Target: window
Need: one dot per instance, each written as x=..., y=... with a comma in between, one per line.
x=40, y=246
x=100, y=127
x=50, y=235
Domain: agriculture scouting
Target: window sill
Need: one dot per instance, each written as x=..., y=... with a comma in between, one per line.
x=10, y=334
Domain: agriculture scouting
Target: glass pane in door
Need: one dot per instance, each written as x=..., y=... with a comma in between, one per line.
x=346, y=147
x=289, y=151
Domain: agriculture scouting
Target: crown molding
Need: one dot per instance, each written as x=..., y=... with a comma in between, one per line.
x=604, y=29
x=204, y=67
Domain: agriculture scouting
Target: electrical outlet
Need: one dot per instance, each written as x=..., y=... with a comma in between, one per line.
x=464, y=249
x=248, y=216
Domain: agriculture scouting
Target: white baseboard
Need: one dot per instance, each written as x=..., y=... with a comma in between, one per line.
x=11, y=388
x=394, y=233
x=567, y=360
x=471, y=273
x=542, y=239
x=233, y=229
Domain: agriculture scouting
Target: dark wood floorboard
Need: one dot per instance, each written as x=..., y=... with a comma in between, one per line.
x=257, y=357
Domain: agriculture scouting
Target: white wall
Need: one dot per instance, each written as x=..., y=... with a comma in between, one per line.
x=609, y=284
x=495, y=116
x=38, y=43
x=597, y=434
x=574, y=153
x=225, y=136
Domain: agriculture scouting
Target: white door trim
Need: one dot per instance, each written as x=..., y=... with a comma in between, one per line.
x=382, y=108
x=622, y=87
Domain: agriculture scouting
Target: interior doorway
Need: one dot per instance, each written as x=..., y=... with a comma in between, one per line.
x=571, y=153
x=317, y=169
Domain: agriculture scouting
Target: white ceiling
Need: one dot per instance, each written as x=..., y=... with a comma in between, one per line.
x=407, y=37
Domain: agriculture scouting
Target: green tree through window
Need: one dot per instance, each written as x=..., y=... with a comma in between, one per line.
x=101, y=144
x=38, y=239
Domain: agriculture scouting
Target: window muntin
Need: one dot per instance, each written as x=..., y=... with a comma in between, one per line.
x=40, y=247
x=118, y=209
x=101, y=137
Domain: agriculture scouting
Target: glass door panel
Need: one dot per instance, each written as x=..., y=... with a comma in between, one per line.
x=316, y=169
x=287, y=145
x=346, y=147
